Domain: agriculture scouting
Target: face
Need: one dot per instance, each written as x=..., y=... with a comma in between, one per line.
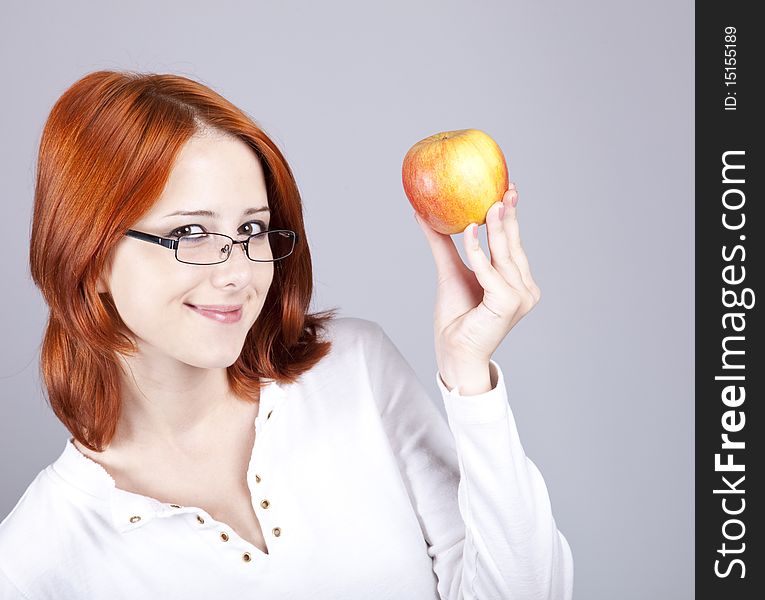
x=152, y=290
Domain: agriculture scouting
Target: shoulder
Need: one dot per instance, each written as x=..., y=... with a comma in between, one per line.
x=361, y=347
x=21, y=515
x=352, y=337
x=37, y=532
x=25, y=530
x=355, y=345
x=352, y=329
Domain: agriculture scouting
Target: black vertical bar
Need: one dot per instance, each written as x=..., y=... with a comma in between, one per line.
x=730, y=547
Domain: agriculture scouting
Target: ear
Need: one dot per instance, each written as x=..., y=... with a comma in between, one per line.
x=102, y=283
x=101, y=287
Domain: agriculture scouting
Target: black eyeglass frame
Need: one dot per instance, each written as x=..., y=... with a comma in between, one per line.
x=172, y=244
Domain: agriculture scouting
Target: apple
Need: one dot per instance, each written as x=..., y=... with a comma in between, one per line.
x=453, y=177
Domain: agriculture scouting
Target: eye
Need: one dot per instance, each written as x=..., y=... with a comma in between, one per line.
x=187, y=229
x=261, y=227
x=181, y=231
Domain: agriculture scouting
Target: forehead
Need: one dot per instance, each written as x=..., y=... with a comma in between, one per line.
x=214, y=176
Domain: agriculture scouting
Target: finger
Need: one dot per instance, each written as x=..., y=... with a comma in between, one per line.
x=512, y=228
x=498, y=292
x=447, y=259
x=499, y=246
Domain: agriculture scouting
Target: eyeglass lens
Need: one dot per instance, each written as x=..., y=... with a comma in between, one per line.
x=211, y=248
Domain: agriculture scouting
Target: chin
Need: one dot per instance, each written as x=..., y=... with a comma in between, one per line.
x=212, y=359
x=212, y=364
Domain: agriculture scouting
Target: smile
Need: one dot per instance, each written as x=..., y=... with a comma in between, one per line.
x=221, y=317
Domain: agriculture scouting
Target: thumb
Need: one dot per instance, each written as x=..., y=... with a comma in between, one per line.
x=445, y=254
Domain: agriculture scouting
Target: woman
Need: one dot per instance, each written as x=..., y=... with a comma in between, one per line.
x=226, y=443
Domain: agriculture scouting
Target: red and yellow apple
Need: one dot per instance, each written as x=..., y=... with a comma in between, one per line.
x=453, y=177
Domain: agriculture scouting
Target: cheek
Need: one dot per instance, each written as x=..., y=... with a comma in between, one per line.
x=262, y=282
x=140, y=311
x=265, y=277
x=143, y=294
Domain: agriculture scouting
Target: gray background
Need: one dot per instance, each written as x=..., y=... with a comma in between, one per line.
x=592, y=103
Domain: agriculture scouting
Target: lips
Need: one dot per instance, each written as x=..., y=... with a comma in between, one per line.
x=221, y=316
x=218, y=307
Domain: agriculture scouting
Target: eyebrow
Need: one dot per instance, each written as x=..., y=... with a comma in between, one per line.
x=209, y=213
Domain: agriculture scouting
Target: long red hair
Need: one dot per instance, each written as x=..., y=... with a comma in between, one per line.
x=105, y=154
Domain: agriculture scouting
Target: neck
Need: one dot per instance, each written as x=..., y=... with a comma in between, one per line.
x=184, y=412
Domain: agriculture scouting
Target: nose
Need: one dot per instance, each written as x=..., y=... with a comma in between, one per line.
x=238, y=253
x=242, y=250
x=235, y=270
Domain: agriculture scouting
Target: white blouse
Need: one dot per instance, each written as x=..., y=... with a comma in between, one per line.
x=362, y=490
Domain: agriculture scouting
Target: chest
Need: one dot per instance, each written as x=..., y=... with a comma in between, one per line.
x=224, y=494
x=221, y=490
x=215, y=481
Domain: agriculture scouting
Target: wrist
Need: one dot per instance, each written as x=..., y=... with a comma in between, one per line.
x=470, y=379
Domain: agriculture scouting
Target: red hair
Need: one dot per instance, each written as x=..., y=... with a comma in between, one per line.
x=105, y=154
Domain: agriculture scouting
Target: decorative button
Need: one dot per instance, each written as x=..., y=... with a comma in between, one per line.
x=224, y=536
x=175, y=506
x=276, y=531
x=265, y=503
x=246, y=557
x=257, y=478
x=200, y=519
x=135, y=519
x=268, y=416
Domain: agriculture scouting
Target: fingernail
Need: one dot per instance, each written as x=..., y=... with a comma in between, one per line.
x=502, y=211
x=515, y=199
x=475, y=232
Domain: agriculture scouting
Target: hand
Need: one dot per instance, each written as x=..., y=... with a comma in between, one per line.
x=476, y=309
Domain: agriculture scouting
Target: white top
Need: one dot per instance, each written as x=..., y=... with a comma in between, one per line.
x=368, y=497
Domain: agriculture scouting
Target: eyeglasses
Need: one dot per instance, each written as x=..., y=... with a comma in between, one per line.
x=214, y=248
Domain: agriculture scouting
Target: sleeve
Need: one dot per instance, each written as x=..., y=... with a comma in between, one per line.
x=481, y=502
